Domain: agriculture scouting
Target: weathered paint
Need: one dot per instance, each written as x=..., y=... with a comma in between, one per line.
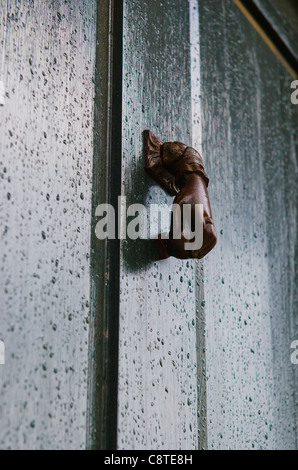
x=249, y=127
x=161, y=378
x=105, y=257
x=46, y=139
x=245, y=126
x=283, y=16
x=248, y=141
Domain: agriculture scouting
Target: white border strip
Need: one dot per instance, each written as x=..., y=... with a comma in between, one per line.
x=195, y=75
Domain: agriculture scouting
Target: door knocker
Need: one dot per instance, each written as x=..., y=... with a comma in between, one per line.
x=179, y=170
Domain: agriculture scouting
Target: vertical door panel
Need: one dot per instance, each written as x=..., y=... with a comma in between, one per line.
x=161, y=384
x=249, y=126
x=46, y=139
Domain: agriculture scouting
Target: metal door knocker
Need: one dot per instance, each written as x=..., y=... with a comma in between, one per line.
x=179, y=170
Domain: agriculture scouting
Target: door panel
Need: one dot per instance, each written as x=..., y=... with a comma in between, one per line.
x=203, y=357
x=161, y=378
x=282, y=14
x=248, y=140
x=249, y=126
x=46, y=145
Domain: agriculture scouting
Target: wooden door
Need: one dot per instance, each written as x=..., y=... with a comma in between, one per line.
x=106, y=345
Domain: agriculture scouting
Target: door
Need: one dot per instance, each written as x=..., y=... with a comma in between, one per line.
x=204, y=347
x=106, y=345
x=46, y=153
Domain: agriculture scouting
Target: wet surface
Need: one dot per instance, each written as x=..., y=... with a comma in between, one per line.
x=46, y=140
x=249, y=126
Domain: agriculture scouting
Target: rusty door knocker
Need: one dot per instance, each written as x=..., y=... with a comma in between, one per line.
x=180, y=171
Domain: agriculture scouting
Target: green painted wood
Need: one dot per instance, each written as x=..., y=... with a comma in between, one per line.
x=249, y=139
x=161, y=378
x=105, y=256
x=218, y=88
x=283, y=15
x=46, y=152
